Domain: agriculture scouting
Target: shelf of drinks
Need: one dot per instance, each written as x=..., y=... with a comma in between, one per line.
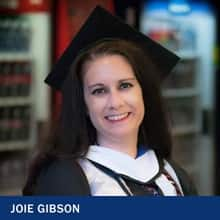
x=15, y=56
x=185, y=129
x=15, y=101
x=184, y=76
x=179, y=93
x=16, y=145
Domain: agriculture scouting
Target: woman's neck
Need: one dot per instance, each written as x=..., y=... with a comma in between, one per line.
x=125, y=145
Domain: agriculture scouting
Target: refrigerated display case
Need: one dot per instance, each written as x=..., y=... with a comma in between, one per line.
x=23, y=102
x=187, y=91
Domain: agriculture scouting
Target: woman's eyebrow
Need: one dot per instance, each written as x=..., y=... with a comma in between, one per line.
x=101, y=84
x=127, y=79
x=95, y=85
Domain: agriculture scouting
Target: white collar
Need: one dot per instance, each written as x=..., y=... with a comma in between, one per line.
x=142, y=169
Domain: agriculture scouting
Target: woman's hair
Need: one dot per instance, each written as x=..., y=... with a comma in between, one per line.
x=75, y=132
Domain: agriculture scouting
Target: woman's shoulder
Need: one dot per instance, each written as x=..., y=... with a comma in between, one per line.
x=184, y=179
x=61, y=177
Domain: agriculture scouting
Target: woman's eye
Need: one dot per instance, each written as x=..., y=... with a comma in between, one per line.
x=125, y=85
x=98, y=91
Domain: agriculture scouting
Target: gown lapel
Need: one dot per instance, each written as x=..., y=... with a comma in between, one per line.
x=134, y=175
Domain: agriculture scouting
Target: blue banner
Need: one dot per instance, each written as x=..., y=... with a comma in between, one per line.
x=18, y=207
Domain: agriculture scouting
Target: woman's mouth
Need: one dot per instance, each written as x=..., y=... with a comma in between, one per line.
x=117, y=117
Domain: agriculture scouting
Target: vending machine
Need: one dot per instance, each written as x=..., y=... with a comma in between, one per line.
x=188, y=28
x=24, y=99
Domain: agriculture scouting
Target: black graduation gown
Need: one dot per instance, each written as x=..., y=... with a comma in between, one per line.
x=66, y=177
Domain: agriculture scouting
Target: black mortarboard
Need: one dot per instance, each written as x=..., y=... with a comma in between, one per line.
x=99, y=25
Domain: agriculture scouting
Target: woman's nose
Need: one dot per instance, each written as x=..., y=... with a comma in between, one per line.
x=115, y=100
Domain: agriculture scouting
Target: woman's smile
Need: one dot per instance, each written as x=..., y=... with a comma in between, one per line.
x=118, y=117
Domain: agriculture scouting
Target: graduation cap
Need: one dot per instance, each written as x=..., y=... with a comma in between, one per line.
x=101, y=25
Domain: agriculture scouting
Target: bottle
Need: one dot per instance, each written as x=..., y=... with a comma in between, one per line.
x=16, y=123
x=26, y=78
x=25, y=118
x=1, y=79
x=5, y=129
x=15, y=78
x=25, y=35
x=6, y=68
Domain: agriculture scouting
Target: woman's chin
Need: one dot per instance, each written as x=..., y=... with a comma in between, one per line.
x=123, y=134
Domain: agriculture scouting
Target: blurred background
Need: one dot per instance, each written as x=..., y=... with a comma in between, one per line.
x=34, y=33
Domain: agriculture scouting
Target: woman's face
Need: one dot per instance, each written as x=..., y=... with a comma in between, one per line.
x=113, y=97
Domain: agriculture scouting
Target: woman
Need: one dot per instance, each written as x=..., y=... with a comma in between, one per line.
x=113, y=137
